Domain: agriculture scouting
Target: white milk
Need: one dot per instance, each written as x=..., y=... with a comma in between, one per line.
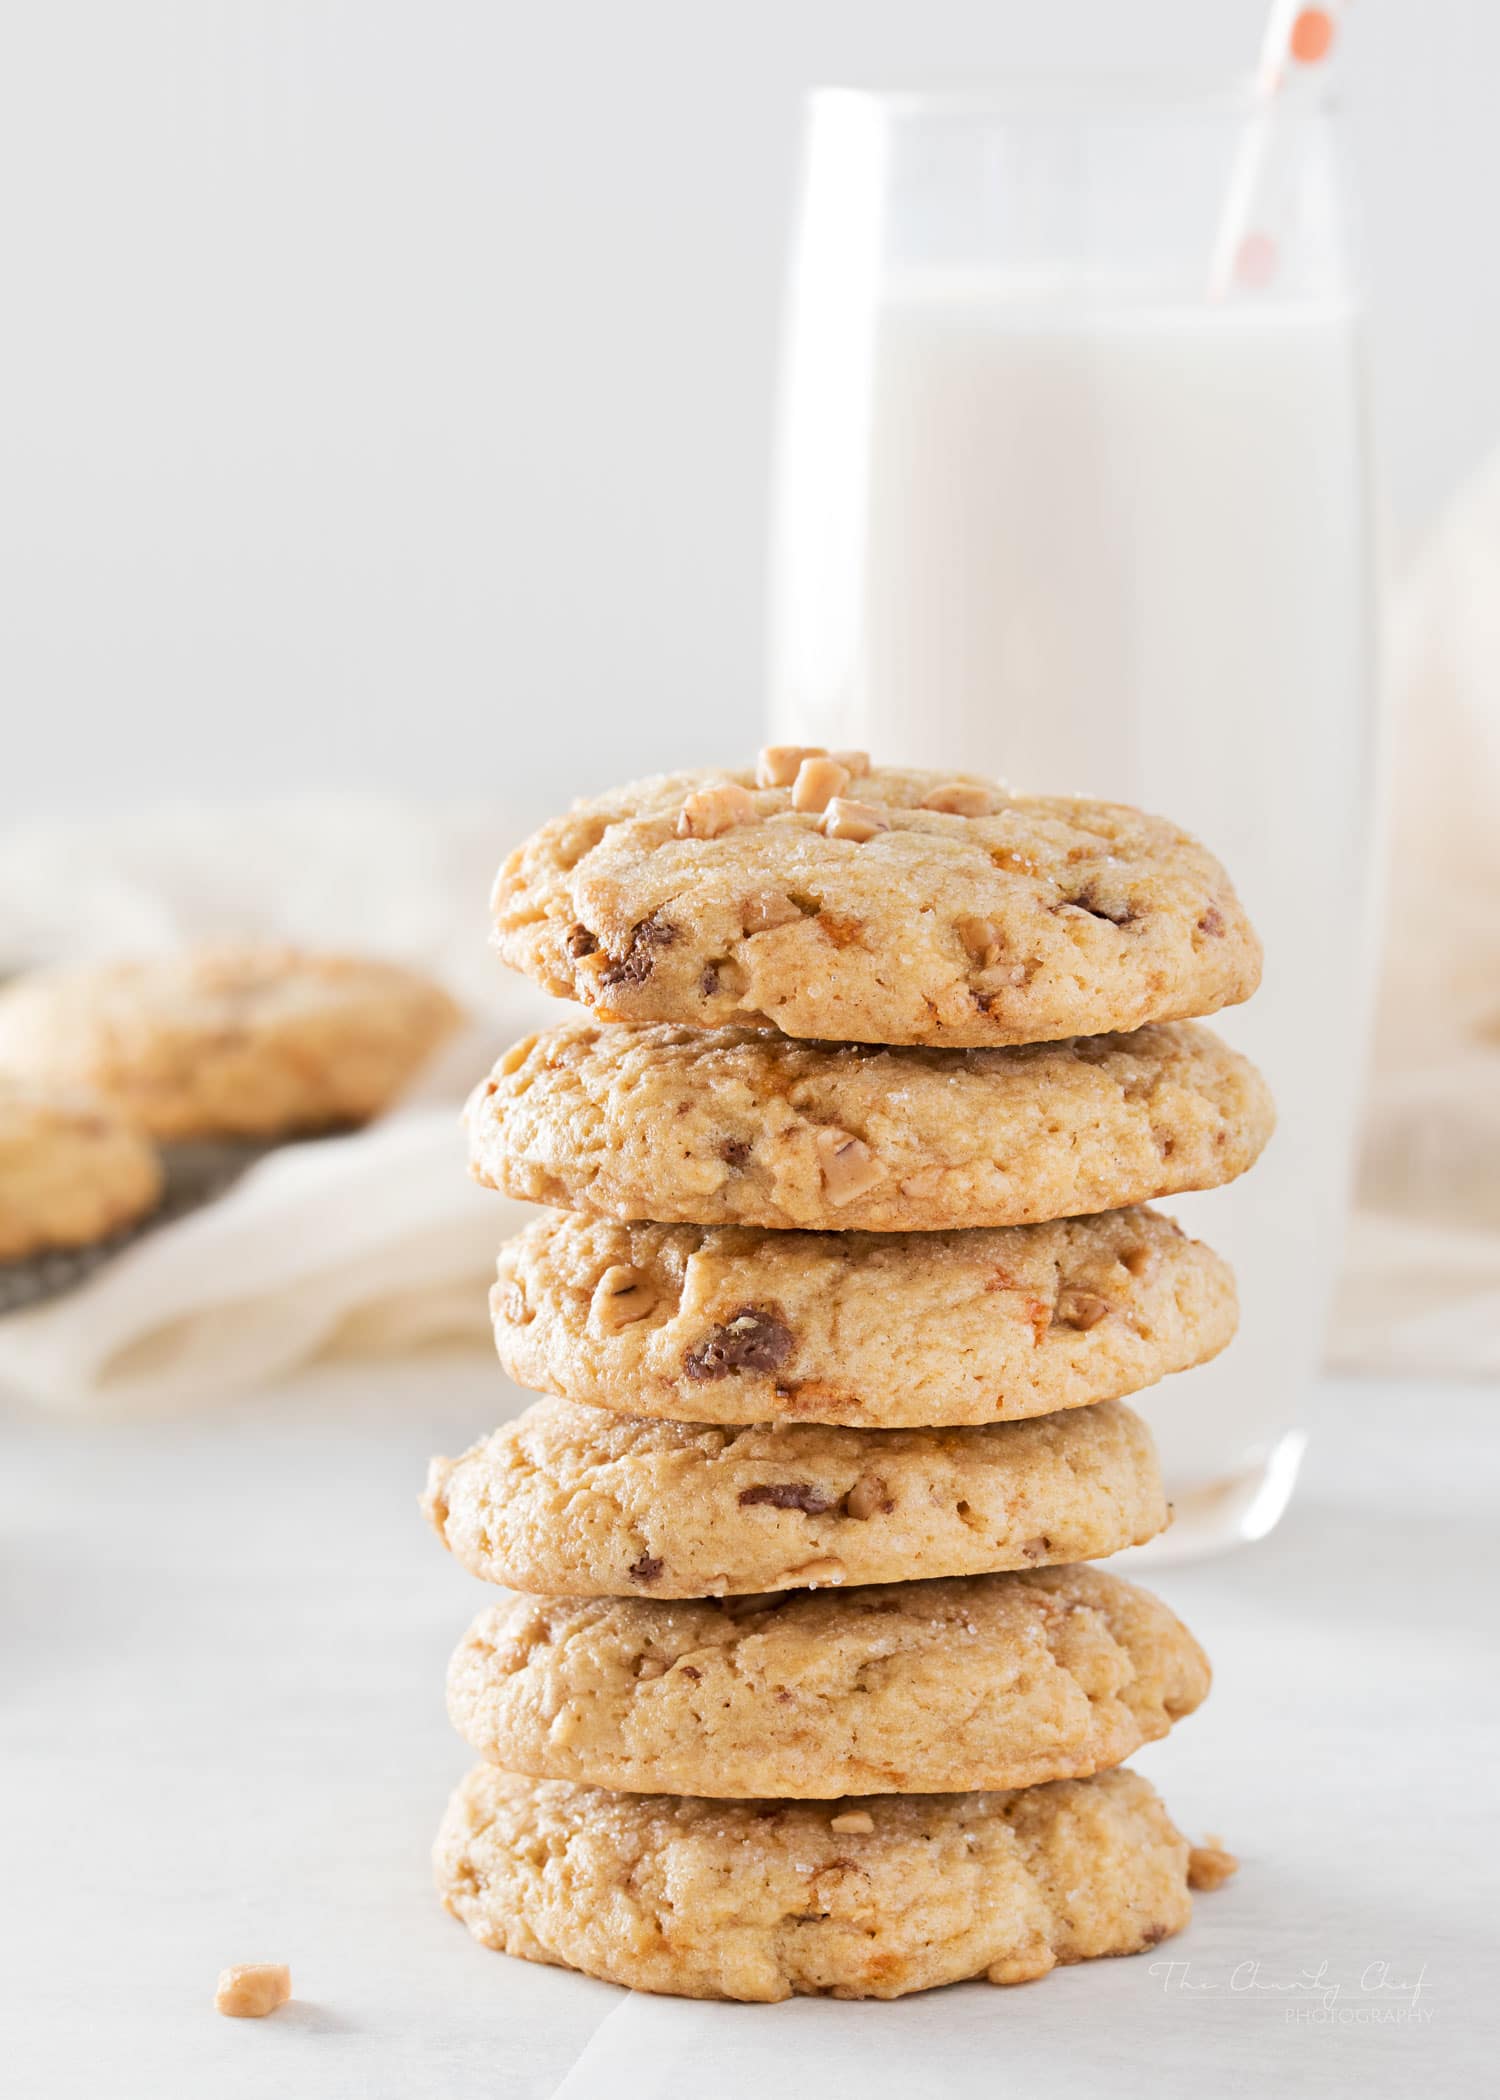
x=1126, y=552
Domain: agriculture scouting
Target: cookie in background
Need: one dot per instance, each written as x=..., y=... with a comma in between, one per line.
x=138, y=1094
x=230, y=1041
x=74, y=1169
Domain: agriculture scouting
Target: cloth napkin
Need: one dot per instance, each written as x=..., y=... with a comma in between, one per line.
x=372, y=1242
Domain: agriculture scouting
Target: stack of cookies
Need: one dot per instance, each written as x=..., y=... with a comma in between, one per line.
x=804, y=1685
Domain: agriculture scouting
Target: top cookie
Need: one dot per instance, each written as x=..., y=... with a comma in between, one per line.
x=229, y=1042
x=828, y=900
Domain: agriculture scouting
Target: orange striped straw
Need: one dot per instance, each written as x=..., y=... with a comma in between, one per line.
x=1297, y=39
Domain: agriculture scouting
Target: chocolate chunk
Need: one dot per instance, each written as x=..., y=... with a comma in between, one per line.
x=654, y=932
x=788, y=1494
x=633, y=968
x=1212, y=920
x=708, y=983
x=735, y=1151
x=757, y=1338
x=646, y=1569
x=581, y=941
x=639, y=959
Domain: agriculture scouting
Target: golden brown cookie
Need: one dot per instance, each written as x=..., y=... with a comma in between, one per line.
x=880, y=907
x=73, y=1169
x=569, y=1499
x=229, y=1041
x=742, y=1127
x=730, y=1323
x=912, y=1687
x=864, y=1898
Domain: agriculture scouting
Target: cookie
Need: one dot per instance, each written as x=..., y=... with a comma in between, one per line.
x=569, y=1500
x=764, y=1900
x=73, y=1169
x=230, y=1042
x=736, y=1126
x=731, y=1323
x=915, y=1687
x=890, y=907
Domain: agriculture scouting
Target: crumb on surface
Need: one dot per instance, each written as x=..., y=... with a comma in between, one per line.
x=1210, y=1865
x=252, y=1989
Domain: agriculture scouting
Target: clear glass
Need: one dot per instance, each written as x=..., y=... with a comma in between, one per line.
x=1054, y=505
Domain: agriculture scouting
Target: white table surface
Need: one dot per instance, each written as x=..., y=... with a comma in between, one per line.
x=224, y=1740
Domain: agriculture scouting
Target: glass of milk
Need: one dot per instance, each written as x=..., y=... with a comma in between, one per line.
x=1050, y=507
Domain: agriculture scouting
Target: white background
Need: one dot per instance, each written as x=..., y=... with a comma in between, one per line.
x=385, y=384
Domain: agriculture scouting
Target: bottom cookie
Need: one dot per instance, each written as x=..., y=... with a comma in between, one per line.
x=764, y=1900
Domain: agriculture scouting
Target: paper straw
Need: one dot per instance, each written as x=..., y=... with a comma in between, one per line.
x=1296, y=38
